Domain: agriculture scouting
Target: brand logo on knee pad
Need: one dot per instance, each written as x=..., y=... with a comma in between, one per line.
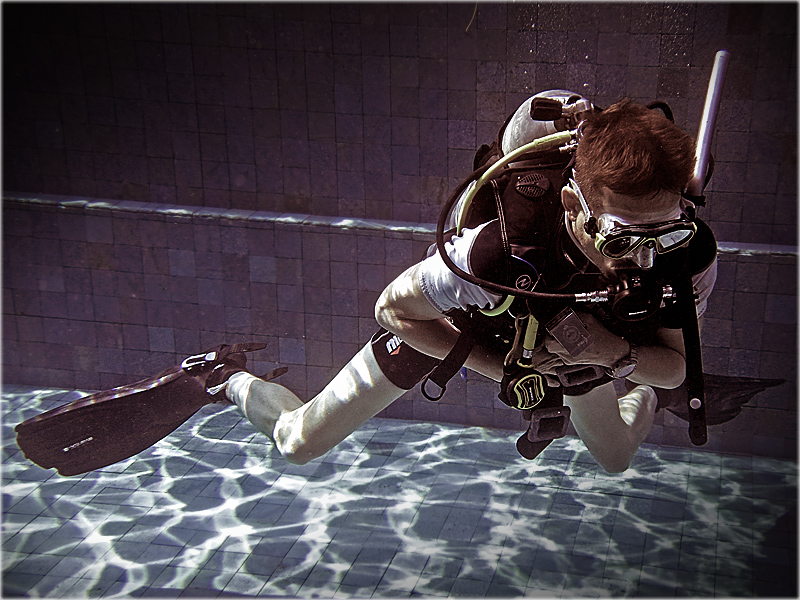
x=393, y=345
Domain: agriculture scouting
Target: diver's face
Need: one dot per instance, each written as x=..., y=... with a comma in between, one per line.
x=612, y=205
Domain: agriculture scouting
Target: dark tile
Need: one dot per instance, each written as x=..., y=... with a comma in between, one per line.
x=672, y=81
x=613, y=49
x=782, y=279
x=780, y=309
x=750, y=306
x=779, y=338
x=751, y=277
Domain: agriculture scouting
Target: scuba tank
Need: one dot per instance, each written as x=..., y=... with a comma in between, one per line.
x=541, y=115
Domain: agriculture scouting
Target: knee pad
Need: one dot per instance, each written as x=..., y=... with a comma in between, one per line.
x=400, y=363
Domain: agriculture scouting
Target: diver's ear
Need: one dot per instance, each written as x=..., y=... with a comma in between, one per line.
x=570, y=202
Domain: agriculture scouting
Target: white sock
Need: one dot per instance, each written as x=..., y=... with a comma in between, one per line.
x=642, y=397
x=239, y=386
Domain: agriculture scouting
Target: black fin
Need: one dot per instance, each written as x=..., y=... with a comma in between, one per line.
x=110, y=426
x=725, y=396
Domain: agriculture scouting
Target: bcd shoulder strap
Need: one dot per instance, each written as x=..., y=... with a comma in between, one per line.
x=523, y=210
x=520, y=207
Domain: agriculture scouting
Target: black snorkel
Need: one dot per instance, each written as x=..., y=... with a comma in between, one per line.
x=695, y=382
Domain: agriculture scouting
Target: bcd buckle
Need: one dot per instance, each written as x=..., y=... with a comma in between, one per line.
x=573, y=375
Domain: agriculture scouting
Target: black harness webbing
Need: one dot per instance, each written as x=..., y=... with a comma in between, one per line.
x=450, y=365
x=695, y=385
x=549, y=419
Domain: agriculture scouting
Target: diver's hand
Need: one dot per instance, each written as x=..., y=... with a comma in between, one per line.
x=546, y=363
x=606, y=348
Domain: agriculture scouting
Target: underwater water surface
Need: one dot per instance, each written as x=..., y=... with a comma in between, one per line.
x=399, y=509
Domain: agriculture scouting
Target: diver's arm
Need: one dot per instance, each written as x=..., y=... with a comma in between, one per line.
x=663, y=365
x=403, y=310
x=660, y=365
x=614, y=427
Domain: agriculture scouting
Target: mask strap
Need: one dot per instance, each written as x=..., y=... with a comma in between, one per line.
x=590, y=226
x=689, y=209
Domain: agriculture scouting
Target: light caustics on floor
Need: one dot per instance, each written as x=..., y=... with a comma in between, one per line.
x=398, y=509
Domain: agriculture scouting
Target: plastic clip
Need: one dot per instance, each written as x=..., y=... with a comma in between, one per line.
x=424, y=384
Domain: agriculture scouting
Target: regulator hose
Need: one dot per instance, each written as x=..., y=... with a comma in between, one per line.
x=482, y=176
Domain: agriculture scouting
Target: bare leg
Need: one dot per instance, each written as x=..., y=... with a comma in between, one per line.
x=613, y=428
x=302, y=432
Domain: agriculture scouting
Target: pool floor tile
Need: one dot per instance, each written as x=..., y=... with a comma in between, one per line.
x=399, y=509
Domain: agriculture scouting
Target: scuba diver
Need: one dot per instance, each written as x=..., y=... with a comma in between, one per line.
x=615, y=216
x=569, y=273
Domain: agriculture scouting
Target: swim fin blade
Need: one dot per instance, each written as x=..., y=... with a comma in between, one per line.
x=110, y=426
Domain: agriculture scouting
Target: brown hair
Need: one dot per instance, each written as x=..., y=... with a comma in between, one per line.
x=633, y=151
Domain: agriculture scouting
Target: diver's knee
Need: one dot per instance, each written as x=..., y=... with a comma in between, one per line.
x=297, y=458
x=614, y=462
x=297, y=451
x=615, y=466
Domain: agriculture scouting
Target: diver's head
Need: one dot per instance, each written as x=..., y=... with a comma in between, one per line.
x=623, y=206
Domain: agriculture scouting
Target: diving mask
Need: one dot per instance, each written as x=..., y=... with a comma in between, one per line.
x=615, y=238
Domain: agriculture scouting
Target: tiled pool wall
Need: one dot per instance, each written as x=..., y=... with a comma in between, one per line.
x=103, y=293
x=372, y=110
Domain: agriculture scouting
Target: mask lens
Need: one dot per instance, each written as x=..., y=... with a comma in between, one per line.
x=619, y=246
x=670, y=241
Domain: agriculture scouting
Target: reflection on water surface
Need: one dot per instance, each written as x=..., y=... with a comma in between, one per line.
x=398, y=509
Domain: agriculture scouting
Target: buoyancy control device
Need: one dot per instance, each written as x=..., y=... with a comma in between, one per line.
x=515, y=188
